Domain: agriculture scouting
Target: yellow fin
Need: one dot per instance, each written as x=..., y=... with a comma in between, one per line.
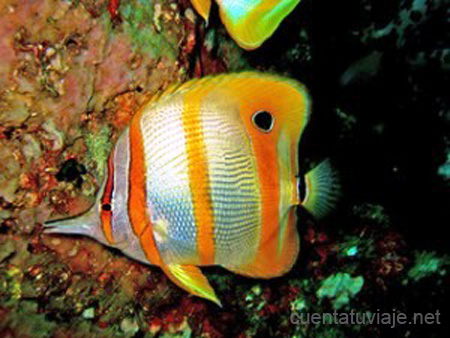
x=203, y=8
x=191, y=279
x=251, y=22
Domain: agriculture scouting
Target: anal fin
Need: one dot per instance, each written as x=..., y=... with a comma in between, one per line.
x=191, y=279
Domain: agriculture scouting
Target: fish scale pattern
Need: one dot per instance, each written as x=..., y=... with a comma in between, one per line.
x=234, y=184
x=168, y=193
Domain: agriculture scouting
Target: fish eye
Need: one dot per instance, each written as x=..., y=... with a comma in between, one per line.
x=263, y=120
x=106, y=207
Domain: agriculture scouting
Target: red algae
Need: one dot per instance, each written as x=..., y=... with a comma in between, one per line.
x=113, y=8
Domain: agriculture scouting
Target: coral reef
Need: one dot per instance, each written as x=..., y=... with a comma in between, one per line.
x=72, y=73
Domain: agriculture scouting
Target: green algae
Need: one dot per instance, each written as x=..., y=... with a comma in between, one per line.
x=231, y=53
x=99, y=147
x=88, y=313
x=254, y=293
x=254, y=298
x=254, y=303
x=15, y=276
x=356, y=246
x=373, y=212
x=7, y=249
x=340, y=287
x=138, y=24
x=301, y=301
x=186, y=333
x=298, y=304
x=129, y=326
x=352, y=251
x=54, y=134
x=31, y=323
x=10, y=285
x=427, y=264
x=444, y=169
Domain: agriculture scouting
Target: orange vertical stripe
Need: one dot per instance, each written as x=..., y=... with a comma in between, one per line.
x=268, y=176
x=265, y=263
x=106, y=214
x=274, y=257
x=198, y=176
x=266, y=156
x=137, y=203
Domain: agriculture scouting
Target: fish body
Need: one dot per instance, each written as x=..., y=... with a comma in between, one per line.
x=249, y=22
x=206, y=175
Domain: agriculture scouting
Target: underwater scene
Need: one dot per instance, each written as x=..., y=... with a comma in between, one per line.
x=224, y=168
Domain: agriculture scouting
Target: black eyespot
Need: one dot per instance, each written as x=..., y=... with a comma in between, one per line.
x=263, y=120
x=106, y=207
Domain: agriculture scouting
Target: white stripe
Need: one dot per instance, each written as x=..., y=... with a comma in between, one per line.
x=168, y=191
x=234, y=184
x=122, y=231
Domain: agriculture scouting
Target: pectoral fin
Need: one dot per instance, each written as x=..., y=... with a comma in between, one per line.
x=191, y=279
